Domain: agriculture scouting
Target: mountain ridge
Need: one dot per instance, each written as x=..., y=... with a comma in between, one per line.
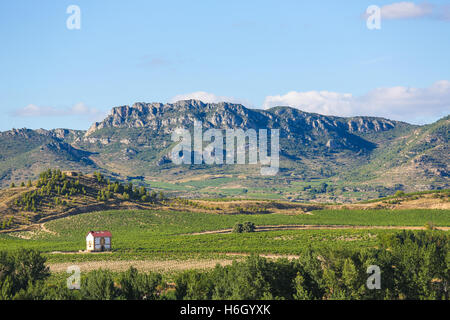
x=144, y=114
x=134, y=141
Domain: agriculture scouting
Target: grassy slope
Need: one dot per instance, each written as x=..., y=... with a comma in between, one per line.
x=411, y=158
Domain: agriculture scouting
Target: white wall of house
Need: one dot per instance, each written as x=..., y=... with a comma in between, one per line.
x=90, y=242
x=95, y=243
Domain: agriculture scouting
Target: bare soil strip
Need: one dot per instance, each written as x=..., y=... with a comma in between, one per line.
x=159, y=265
x=318, y=227
x=141, y=265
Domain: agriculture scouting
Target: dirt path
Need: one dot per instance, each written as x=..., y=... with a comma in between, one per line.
x=318, y=227
x=76, y=211
x=44, y=228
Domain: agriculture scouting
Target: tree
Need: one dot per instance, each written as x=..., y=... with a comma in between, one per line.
x=238, y=228
x=19, y=270
x=248, y=227
x=6, y=288
x=303, y=292
x=140, y=286
x=323, y=187
x=98, y=285
x=245, y=227
x=252, y=279
x=129, y=187
x=99, y=176
x=30, y=266
x=399, y=194
x=194, y=285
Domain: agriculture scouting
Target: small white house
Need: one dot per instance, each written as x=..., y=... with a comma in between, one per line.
x=98, y=241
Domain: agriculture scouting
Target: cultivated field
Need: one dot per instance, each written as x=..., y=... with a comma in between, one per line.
x=168, y=240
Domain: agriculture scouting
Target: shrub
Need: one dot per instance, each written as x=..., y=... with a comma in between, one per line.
x=399, y=194
x=430, y=226
x=238, y=228
x=248, y=227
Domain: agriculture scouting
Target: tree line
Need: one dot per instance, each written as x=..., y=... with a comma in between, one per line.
x=414, y=265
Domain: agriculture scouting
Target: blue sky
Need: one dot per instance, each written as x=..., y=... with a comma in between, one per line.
x=318, y=56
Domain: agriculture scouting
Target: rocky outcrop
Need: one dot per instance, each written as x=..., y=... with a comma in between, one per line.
x=368, y=124
x=164, y=117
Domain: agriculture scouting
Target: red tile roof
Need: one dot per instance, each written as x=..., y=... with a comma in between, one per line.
x=100, y=233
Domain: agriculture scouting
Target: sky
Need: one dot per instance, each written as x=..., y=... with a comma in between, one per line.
x=317, y=56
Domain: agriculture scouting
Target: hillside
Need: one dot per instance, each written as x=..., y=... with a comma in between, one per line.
x=58, y=194
x=25, y=153
x=356, y=158
x=419, y=156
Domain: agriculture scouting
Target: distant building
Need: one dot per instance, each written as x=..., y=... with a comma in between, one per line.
x=98, y=241
x=72, y=173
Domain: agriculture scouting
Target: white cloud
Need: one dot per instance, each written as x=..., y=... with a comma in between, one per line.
x=323, y=102
x=445, y=13
x=207, y=97
x=79, y=109
x=415, y=105
x=410, y=10
x=406, y=10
